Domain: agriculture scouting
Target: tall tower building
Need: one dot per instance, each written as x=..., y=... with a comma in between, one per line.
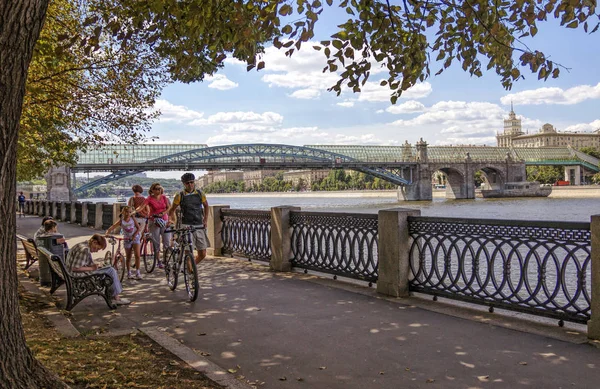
x=512, y=128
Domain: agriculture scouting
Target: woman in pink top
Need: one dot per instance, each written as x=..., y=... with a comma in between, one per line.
x=157, y=205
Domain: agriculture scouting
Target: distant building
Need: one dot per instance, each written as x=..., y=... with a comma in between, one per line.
x=547, y=136
x=253, y=177
x=308, y=176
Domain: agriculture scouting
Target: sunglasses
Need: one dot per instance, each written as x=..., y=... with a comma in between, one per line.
x=188, y=182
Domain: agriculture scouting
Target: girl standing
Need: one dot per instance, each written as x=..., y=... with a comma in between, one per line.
x=131, y=233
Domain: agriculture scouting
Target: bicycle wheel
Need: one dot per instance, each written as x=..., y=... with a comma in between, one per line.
x=148, y=255
x=119, y=266
x=190, y=276
x=171, y=268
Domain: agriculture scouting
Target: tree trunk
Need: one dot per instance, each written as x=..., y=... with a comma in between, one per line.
x=20, y=25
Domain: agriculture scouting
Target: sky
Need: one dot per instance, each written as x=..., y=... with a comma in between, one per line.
x=287, y=102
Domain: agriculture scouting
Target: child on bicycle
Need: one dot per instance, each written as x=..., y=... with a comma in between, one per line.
x=131, y=234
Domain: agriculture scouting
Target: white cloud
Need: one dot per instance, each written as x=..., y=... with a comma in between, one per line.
x=221, y=82
x=220, y=118
x=584, y=127
x=306, y=94
x=410, y=106
x=304, y=71
x=373, y=91
x=175, y=113
x=346, y=104
x=539, y=96
x=476, y=114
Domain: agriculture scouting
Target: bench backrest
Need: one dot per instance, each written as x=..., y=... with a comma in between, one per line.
x=55, y=262
x=29, y=246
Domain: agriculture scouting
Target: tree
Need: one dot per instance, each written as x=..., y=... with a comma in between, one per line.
x=193, y=38
x=81, y=97
x=544, y=174
x=594, y=152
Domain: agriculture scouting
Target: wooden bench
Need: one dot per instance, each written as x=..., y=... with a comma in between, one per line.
x=30, y=250
x=78, y=287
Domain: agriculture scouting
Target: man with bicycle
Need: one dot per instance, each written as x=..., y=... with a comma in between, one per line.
x=194, y=212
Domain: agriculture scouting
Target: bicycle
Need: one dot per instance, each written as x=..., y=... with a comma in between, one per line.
x=180, y=258
x=116, y=260
x=147, y=249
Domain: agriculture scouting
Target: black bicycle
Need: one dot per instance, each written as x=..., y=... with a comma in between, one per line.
x=180, y=259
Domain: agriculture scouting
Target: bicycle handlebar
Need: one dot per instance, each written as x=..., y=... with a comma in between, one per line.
x=183, y=229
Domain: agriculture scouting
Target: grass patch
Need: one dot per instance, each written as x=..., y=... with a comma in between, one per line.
x=131, y=361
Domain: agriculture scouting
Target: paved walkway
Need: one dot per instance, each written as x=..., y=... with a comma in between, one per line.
x=298, y=331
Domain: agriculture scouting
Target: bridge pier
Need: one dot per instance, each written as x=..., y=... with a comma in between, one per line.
x=58, y=185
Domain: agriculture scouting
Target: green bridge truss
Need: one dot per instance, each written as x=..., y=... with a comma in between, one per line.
x=391, y=163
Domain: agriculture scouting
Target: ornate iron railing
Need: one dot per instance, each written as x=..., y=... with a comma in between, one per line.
x=343, y=244
x=78, y=212
x=91, y=214
x=543, y=268
x=246, y=233
x=107, y=216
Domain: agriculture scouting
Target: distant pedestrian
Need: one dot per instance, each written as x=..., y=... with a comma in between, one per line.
x=21, y=199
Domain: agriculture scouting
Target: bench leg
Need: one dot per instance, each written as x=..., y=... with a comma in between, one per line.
x=56, y=282
x=108, y=298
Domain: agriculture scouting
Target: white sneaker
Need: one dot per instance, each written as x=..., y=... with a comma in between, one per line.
x=138, y=275
x=122, y=302
x=130, y=275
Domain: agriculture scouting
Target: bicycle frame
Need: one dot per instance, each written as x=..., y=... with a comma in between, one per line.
x=115, y=259
x=180, y=257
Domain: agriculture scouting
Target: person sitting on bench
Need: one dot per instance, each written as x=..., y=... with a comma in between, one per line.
x=79, y=260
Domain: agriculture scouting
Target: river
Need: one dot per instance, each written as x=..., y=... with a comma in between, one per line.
x=562, y=205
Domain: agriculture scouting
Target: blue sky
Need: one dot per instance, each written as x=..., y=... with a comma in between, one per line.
x=287, y=102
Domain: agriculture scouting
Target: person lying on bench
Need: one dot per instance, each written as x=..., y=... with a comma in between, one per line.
x=79, y=260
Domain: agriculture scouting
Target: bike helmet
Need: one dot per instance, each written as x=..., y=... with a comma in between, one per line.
x=188, y=177
x=160, y=222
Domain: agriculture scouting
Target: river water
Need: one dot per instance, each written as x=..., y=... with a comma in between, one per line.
x=551, y=209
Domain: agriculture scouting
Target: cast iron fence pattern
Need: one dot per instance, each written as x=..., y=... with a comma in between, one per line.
x=107, y=216
x=91, y=214
x=246, y=233
x=68, y=211
x=343, y=244
x=78, y=212
x=542, y=268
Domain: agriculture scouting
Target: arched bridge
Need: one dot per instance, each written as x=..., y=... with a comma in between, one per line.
x=410, y=167
x=247, y=157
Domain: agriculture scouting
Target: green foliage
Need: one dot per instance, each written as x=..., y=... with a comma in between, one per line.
x=545, y=174
x=596, y=178
x=594, y=152
x=76, y=98
x=194, y=37
x=336, y=180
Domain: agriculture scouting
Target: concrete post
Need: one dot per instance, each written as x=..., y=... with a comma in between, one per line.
x=393, y=252
x=54, y=209
x=594, y=323
x=214, y=228
x=98, y=220
x=41, y=207
x=63, y=211
x=73, y=216
x=281, y=236
x=84, y=214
